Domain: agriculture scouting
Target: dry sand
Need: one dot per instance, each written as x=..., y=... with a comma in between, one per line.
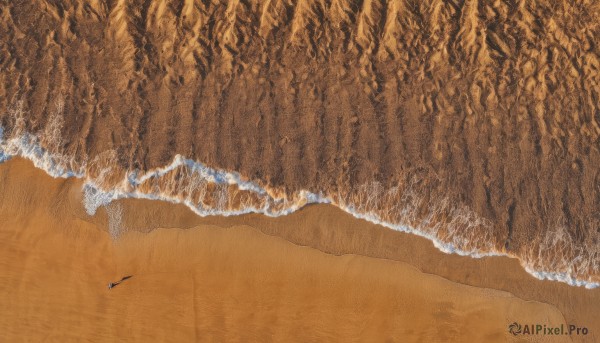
x=229, y=282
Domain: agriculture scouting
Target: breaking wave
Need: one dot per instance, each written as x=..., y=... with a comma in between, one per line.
x=451, y=227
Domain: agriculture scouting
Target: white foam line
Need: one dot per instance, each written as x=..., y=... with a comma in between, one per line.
x=209, y=174
x=562, y=277
x=445, y=247
x=95, y=198
x=27, y=146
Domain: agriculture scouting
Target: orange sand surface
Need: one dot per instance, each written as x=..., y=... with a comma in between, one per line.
x=224, y=279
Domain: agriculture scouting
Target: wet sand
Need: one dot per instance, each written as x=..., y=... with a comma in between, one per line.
x=247, y=278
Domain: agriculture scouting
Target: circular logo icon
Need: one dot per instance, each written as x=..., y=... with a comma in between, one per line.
x=514, y=328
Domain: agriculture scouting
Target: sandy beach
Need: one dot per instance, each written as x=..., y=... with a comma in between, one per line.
x=309, y=170
x=249, y=278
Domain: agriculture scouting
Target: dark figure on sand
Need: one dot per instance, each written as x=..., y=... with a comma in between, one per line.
x=113, y=284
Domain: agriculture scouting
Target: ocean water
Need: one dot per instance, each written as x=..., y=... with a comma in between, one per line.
x=214, y=192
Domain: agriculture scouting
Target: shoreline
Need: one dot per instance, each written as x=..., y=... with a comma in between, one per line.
x=27, y=147
x=310, y=171
x=319, y=229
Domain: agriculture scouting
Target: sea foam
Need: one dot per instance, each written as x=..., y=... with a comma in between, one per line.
x=98, y=193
